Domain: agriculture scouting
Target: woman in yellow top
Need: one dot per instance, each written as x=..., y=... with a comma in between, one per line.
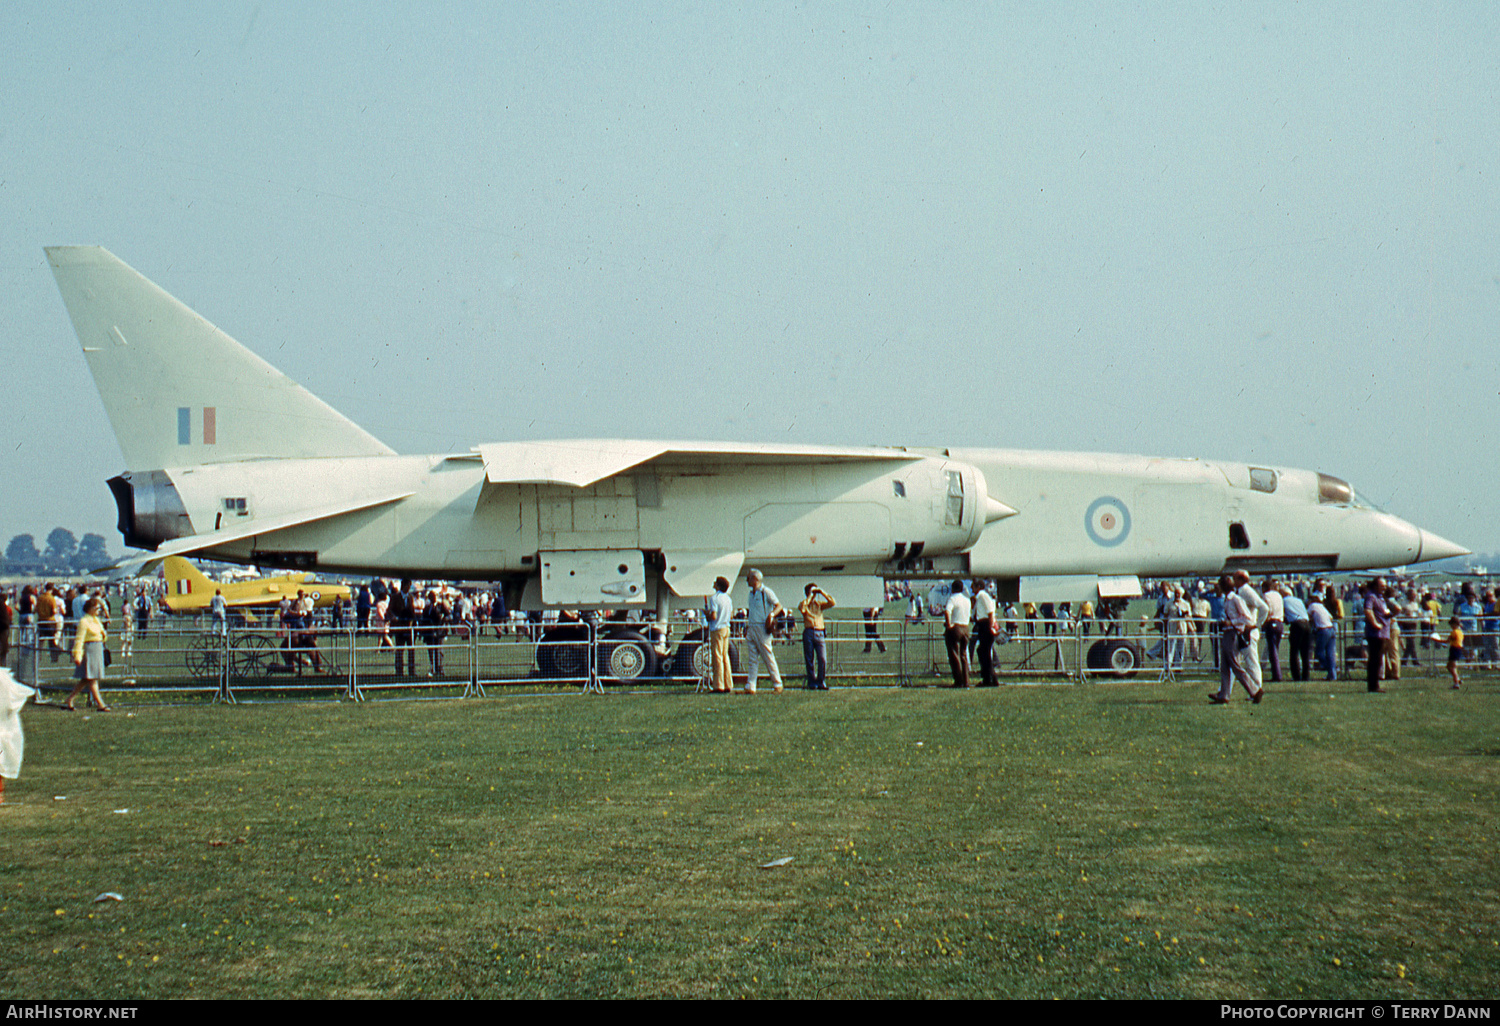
x=88, y=655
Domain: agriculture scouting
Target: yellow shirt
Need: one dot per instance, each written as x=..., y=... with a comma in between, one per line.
x=89, y=629
x=812, y=612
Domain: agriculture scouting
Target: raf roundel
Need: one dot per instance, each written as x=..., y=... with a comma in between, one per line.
x=1107, y=521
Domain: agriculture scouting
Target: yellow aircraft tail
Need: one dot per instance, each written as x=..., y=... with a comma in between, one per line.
x=184, y=580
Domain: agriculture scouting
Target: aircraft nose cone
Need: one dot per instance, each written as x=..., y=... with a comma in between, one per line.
x=1435, y=547
x=994, y=510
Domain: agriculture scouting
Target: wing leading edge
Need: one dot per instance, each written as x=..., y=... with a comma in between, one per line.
x=581, y=462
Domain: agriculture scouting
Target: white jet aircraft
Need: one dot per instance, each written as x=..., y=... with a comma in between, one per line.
x=229, y=458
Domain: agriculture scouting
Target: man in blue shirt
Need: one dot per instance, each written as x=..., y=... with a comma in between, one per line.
x=1299, y=634
x=718, y=611
x=1216, y=617
x=1468, y=609
x=764, y=608
x=1489, y=643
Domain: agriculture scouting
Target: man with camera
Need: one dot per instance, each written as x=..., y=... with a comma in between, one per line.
x=814, y=636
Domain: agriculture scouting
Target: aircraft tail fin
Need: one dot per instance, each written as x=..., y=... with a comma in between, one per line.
x=183, y=578
x=179, y=391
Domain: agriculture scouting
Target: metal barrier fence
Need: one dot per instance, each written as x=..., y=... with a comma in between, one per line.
x=186, y=660
x=464, y=659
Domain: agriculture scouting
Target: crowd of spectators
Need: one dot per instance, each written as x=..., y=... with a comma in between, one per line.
x=1308, y=616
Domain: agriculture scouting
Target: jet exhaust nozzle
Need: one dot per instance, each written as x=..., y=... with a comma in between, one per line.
x=150, y=509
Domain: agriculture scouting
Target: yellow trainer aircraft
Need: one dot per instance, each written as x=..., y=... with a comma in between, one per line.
x=189, y=591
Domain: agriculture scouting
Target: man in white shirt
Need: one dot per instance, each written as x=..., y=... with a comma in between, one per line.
x=1256, y=606
x=219, y=610
x=1175, y=625
x=956, y=634
x=1274, y=626
x=1203, y=626
x=986, y=629
x=1235, y=649
x=1324, y=635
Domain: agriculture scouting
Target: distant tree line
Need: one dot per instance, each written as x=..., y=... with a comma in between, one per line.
x=64, y=554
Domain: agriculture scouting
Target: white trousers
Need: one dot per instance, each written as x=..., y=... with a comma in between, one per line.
x=1234, y=664
x=758, y=647
x=1251, y=656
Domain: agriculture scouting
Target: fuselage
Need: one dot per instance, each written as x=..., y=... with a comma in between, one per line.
x=917, y=513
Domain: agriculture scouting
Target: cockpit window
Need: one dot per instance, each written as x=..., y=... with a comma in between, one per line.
x=955, y=510
x=1262, y=480
x=1339, y=492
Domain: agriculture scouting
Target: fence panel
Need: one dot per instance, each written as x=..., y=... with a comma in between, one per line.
x=178, y=658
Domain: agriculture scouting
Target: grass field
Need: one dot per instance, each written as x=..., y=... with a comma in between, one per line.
x=1105, y=840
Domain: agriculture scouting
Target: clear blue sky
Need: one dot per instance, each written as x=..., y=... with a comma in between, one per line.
x=1267, y=232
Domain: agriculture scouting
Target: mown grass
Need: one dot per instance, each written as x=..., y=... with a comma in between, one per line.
x=1111, y=840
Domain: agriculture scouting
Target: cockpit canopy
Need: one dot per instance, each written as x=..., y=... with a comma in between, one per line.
x=1335, y=491
x=1331, y=489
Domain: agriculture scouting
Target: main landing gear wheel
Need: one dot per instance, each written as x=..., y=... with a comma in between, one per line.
x=1120, y=658
x=694, y=656
x=563, y=652
x=625, y=657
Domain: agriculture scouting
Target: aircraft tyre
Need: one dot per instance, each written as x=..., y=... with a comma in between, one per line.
x=563, y=651
x=1120, y=658
x=626, y=656
x=694, y=658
